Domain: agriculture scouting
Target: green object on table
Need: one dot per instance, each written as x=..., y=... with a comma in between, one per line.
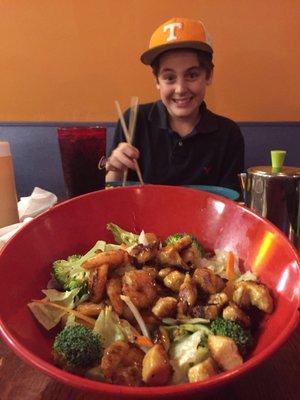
x=221, y=191
x=277, y=158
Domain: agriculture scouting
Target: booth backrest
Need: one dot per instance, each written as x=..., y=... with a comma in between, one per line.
x=36, y=156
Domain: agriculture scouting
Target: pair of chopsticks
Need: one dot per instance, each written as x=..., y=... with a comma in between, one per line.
x=129, y=133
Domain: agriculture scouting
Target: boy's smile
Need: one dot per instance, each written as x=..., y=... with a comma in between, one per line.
x=182, y=85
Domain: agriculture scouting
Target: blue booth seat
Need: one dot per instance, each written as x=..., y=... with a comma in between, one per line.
x=36, y=155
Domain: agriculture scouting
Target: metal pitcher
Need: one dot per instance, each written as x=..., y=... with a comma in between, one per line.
x=276, y=196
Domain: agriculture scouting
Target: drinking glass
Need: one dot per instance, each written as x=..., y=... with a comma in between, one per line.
x=82, y=150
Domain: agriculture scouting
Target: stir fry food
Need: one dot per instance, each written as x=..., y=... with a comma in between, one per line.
x=147, y=312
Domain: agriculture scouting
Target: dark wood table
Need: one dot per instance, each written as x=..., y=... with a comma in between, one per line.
x=278, y=378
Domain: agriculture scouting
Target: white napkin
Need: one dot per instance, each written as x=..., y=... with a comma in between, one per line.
x=39, y=201
x=8, y=231
x=28, y=207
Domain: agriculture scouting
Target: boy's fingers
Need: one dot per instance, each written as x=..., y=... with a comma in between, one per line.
x=129, y=150
x=109, y=166
x=113, y=164
x=122, y=157
x=123, y=162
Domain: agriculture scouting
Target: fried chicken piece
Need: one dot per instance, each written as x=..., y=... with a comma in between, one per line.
x=191, y=256
x=208, y=312
x=122, y=364
x=209, y=282
x=157, y=369
x=224, y=351
x=165, y=307
x=248, y=293
x=203, y=370
x=233, y=313
x=188, y=291
x=174, y=280
x=182, y=243
x=164, y=272
x=169, y=255
x=218, y=299
x=214, y=307
x=152, y=238
x=161, y=337
x=143, y=254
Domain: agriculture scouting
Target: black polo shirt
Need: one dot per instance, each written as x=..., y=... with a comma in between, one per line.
x=212, y=154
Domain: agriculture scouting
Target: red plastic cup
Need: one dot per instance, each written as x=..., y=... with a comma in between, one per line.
x=82, y=149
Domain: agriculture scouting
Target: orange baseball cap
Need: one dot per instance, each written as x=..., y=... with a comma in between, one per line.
x=177, y=33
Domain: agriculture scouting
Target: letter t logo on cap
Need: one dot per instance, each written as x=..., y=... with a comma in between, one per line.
x=171, y=28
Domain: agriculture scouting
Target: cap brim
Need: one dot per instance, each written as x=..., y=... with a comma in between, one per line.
x=149, y=56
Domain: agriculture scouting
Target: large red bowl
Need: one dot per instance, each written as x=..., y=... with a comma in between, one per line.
x=74, y=227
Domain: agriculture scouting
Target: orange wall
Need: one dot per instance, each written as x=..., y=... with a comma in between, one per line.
x=68, y=60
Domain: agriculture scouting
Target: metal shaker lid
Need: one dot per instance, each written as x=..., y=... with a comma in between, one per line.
x=268, y=171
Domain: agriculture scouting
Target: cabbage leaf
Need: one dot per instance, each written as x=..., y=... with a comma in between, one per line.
x=49, y=316
x=185, y=353
x=111, y=328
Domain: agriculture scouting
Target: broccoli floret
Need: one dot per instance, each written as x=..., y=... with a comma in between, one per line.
x=122, y=236
x=69, y=274
x=242, y=337
x=195, y=242
x=76, y=348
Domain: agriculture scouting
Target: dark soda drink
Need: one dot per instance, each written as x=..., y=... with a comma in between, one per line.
x=81, y=150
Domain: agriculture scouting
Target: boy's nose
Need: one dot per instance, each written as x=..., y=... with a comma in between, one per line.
x=180, y=87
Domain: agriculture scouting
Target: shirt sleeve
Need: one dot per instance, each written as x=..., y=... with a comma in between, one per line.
x=233, y=163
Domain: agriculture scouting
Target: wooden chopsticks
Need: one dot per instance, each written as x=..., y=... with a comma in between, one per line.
x=129, y=133
x=132, y=122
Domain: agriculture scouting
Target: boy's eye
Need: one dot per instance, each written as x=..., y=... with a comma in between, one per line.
x=192, y=75
x=168, y=77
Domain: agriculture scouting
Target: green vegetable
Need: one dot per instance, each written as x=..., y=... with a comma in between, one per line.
x=178, y=332
x=49, y=316
x=196, y=245
x=111, y=328
x=186, y=352
x=122, y=236
x=70, y=275
x=242, y=337
x=77, y=348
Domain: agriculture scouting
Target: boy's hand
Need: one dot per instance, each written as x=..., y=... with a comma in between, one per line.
x=122, y=158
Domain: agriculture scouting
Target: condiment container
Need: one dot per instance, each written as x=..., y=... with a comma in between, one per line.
x=8, y=198
x=273, y=192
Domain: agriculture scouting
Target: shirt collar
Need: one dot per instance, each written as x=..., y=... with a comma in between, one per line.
x=159, y=116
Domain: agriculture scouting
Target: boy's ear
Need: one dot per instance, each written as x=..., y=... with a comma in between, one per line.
x=210, y=78
x=156, y=80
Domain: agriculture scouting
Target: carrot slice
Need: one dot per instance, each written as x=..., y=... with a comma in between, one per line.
x=143, y=341
x=230, y=274
x=77, y=314
x=230, y=266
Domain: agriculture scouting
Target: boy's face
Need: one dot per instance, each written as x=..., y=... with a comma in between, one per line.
x=182, y=83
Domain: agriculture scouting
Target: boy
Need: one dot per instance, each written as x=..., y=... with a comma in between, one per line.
x=178, y=141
